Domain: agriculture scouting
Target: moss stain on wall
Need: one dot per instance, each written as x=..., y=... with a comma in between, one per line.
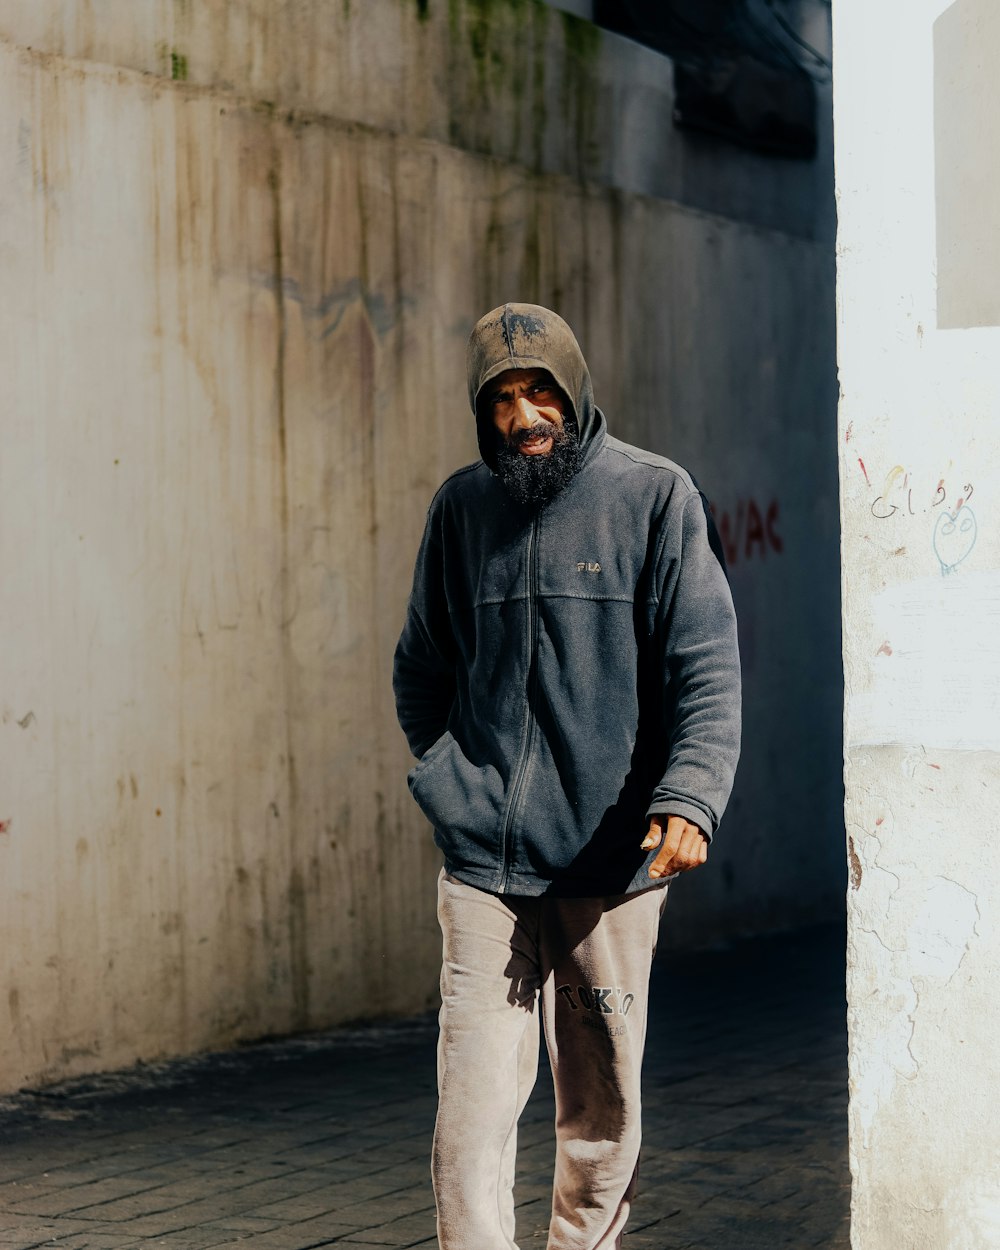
x=497, y=49
x=582, y=44
x=506, y=64
x=539, y=109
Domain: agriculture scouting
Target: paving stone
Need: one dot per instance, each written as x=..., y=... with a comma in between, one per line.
x=75, y=1197
x=325, y=1140
x=328, y=1198
x=410, y=1230
x=92, y=1241
x=293, y=1237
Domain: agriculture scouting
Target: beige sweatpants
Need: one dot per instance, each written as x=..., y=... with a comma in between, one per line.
x=586, y=962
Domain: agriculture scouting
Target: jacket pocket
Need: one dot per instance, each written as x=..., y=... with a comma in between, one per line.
x=462, y=800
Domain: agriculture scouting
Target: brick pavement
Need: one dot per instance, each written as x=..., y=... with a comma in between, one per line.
x=323, y=1140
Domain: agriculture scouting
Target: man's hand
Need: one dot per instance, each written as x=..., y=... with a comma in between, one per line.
x=684, y=846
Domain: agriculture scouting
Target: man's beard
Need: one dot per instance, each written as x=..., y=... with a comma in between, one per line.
x=536, y=480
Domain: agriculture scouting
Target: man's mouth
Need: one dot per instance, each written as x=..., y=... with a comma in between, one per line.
x=535, y=444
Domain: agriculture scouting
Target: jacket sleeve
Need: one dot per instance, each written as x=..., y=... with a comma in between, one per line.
x=423, y=675
x=701, y=667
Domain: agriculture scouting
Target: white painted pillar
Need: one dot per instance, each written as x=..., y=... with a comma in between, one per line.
x=917, y=123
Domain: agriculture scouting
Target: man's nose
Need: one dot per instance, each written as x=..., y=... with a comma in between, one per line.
x=525, y=414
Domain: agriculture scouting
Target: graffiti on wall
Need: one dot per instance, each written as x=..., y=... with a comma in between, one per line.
x=901, y=497
x=748, y=531
x=955, y=535
x=955, y=527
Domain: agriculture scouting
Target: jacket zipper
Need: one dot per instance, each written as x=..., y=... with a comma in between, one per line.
x=522, y=762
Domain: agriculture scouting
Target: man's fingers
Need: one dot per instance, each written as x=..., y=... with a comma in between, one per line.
x=685, y=847
x=690, y=852
x=655, y=835
x=675, y=831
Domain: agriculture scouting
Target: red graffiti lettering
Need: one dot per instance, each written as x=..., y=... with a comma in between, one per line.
x=728, y=545
x=748, y=530
x=755, y=531
x=773, y=537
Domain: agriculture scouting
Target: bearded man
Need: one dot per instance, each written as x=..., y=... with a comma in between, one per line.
x=568, y=678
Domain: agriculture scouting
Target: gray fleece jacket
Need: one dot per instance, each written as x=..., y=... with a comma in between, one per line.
x=565, y=672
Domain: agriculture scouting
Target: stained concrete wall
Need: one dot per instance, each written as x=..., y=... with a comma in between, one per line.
x=920, y=481
x=241, y=248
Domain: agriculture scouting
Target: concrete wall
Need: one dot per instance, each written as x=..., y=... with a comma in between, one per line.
x=241, y=247
x=581, y=8
x=917, y=107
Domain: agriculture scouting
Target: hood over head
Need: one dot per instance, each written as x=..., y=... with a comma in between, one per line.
x=528, y=336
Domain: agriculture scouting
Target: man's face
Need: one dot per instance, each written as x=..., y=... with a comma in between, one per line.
x=538, y=450
x=527, y=410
